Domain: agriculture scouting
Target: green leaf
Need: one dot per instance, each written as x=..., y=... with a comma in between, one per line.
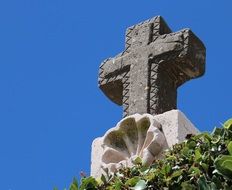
x=207, y=136
x=117, y=185
x=74, y=185
x=217, y=131
x=185, y=151
x=176, y=173
x=217, y=182
x=216, y=139
x=228, y=124
x=141, y=185
x=144, y=170
x=138, y=161
x=187, y=186
x=191, y=144
x=133, y=181
x=204, y=166
x=134, y=171
x=223, y=165
x=103, y=178
x=213, y=186
x=166, y=169
x=198, y=155
x=202, y=184
x=88, y=183
x=229, y=147
x=194, y=171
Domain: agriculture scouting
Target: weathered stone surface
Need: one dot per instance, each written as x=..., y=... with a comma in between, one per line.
x=139, y=135
x=175, y=126
x=144, y=78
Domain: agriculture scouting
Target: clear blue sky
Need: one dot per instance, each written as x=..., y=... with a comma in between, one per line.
x=50, y=105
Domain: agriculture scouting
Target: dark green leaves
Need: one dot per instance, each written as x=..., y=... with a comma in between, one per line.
x=74, y=185
x=133, y=181
x=203, y=184
x=228, y=124
x=223, y=165
x=229, y=147
x=88, y=184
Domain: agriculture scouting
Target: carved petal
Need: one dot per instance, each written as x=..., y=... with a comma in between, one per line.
x=153, y=145
x=113, y=156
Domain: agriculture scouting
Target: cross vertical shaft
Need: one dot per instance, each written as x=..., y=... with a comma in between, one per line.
x=144, y=78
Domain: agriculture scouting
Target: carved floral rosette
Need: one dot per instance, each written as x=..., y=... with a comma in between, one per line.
x=134, y=136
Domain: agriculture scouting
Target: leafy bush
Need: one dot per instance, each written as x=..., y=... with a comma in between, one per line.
x=201, y=162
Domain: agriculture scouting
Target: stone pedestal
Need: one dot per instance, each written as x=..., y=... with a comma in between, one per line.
x=146, y=136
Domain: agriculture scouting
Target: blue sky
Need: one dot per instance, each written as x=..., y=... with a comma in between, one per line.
x=50, y=106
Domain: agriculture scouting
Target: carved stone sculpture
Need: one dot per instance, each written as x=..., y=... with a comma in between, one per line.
x=144, y=78
x=134, y=136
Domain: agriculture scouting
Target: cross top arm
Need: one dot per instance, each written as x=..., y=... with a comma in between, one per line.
x=144, y=78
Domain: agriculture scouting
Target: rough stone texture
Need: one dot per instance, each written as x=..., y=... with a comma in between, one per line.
x=144, y=78
x=175, y=126
x=139, y=135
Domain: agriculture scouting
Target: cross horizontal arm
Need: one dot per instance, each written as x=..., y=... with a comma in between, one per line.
x=110, y=78
x=183, y=50
x=144, y=78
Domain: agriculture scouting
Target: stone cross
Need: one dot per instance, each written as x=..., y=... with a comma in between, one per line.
x=144, y=78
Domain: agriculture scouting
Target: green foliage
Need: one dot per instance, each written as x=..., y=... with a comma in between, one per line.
x=74, y=185
x=228, y=124
x=202, y=162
